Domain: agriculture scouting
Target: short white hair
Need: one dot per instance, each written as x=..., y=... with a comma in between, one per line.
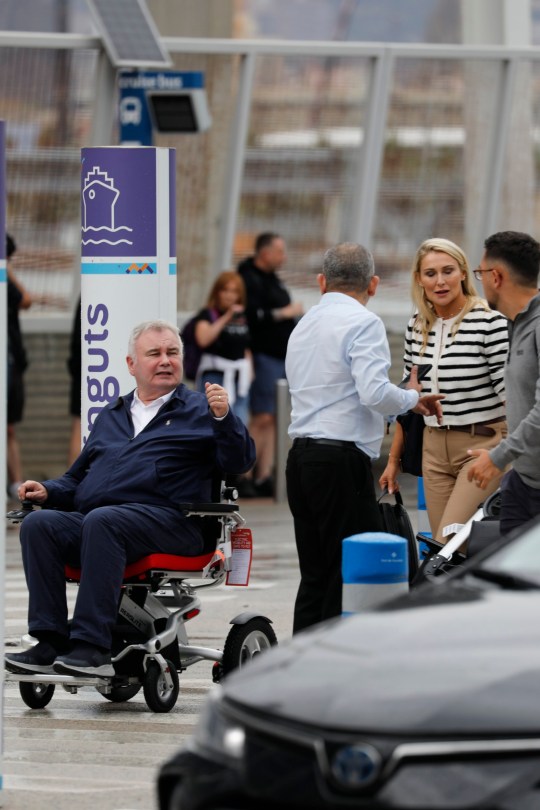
x=152, y=326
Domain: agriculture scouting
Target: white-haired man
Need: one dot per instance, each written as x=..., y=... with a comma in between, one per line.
x=149, y=451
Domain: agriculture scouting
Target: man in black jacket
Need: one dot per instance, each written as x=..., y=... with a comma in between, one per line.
x=271, y=317
x=17, y=298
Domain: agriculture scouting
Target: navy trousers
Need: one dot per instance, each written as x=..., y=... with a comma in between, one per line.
x=519, y=502
x=101, y=543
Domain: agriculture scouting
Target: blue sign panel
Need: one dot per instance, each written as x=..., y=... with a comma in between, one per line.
x=134, y=113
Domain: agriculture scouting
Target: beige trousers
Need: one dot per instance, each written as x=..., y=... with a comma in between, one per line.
x=450, y=497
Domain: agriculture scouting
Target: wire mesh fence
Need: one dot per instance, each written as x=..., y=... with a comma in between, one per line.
x=307, y=127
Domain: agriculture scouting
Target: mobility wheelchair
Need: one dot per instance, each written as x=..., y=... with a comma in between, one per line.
x=481, y=530
x=159, y=595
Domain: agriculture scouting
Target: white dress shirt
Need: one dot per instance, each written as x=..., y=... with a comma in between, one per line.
x=337, y=369
x=142, y=414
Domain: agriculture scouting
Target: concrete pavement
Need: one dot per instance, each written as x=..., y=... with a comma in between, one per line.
x=82, y=750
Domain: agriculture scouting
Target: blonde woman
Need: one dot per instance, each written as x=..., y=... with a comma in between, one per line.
x=466, y=344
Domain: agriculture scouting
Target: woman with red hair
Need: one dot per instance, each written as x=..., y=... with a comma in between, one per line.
x=221, y=331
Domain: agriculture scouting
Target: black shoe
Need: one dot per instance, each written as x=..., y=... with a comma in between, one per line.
x=265, y=488
x=39, y=658
x=85, y=660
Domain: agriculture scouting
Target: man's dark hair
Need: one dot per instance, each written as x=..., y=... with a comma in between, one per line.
x=11, y=247
x=519, y=251
x=265, y=239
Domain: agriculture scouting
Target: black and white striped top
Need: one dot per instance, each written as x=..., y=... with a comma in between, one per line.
x=467, y=368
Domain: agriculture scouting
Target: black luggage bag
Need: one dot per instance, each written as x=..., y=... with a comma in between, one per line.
x=396, y=521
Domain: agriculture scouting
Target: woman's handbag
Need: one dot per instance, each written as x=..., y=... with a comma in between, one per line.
x=412, y=425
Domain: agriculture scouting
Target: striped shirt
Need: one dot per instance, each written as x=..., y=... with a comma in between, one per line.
x=467, y=368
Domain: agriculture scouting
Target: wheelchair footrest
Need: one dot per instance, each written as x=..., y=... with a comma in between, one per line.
x=68, y=680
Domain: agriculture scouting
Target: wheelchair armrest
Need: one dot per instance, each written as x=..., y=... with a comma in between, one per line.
x=433, y=545
x=209, y=508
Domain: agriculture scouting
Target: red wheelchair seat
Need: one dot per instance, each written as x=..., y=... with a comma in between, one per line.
x=152, y=562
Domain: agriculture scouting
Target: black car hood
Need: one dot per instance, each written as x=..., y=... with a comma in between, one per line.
x=441, y=661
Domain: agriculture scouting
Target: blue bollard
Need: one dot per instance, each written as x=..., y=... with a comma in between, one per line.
x=423, y=522
x=374, y=568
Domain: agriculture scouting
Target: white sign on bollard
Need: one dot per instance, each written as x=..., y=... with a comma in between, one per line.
x=128, y=262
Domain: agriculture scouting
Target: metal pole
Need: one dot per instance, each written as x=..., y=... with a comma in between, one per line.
x=3, y=427
x=500, y=132
x=237, y=148
x=371, y=150
x=283, y=443
x=105, y=90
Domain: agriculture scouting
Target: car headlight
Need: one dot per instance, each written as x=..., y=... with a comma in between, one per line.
x=216, y=732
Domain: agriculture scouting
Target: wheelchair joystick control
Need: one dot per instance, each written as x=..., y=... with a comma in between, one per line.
x=17, y=515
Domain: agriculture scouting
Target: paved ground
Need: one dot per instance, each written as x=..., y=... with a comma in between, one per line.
x=86, y=752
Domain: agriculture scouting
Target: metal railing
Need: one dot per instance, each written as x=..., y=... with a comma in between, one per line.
x=354, y=190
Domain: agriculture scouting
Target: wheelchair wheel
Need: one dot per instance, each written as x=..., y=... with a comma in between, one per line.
x=428, y=573
x=36, y=695
x=246, y=641
x=119, y=694
x=158, y=695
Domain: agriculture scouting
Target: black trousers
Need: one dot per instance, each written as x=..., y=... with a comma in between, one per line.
x=519, y=502
x=331, y=495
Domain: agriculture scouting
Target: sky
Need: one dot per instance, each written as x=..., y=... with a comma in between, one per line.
x=357, y=20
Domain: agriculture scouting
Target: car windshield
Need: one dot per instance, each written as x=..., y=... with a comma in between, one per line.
x=519, y=559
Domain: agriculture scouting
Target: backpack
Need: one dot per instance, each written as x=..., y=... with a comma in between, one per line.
x=192, y=350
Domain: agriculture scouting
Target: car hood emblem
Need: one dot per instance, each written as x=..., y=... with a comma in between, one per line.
x=356, y=766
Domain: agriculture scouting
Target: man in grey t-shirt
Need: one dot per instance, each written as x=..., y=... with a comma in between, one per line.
x=509, y=273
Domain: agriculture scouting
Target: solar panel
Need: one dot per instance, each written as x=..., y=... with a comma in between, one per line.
x=179, y=111
x=172, y=113
x=129, y=33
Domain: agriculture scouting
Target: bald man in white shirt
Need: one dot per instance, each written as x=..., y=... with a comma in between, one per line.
x=337, y=368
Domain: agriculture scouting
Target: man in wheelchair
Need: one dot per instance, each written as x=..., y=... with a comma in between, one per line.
x=147, y=453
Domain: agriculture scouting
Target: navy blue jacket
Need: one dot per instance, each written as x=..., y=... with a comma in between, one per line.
x=172, y=460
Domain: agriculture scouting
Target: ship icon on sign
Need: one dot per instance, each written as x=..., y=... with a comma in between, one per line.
x=99, y=197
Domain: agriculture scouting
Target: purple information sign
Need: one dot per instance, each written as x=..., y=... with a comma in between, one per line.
x=128, y=262
x=2, y=191
x=118, y=203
